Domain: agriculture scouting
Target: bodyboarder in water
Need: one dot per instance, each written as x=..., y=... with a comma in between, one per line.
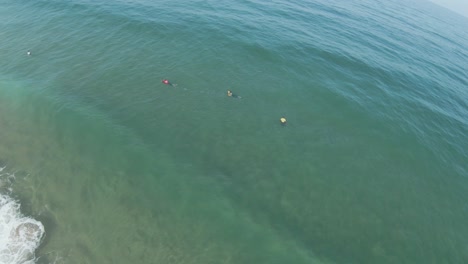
x=230, y=94
x=167, y=82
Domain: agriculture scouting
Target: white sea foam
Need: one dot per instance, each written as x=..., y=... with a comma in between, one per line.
x=19, y=235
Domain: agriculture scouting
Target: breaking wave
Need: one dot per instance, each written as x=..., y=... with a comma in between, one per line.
x=20, y=235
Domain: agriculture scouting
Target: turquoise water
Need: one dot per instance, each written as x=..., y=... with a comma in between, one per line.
x=120, y=168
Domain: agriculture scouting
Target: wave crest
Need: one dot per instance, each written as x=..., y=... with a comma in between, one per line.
x=19, y=235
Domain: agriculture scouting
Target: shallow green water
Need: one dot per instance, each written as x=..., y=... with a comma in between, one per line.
x=371, y=167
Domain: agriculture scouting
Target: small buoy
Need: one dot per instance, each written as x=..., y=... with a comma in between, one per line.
x=283, y=120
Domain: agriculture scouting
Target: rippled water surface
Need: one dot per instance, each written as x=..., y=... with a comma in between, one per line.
x=117, y=167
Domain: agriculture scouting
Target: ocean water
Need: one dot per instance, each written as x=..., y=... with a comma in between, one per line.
x=103, y=163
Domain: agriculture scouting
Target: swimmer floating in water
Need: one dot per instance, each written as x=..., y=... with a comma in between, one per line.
x=283, y=121
x=167, y=82
x=230, y=94
x=29, y=53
